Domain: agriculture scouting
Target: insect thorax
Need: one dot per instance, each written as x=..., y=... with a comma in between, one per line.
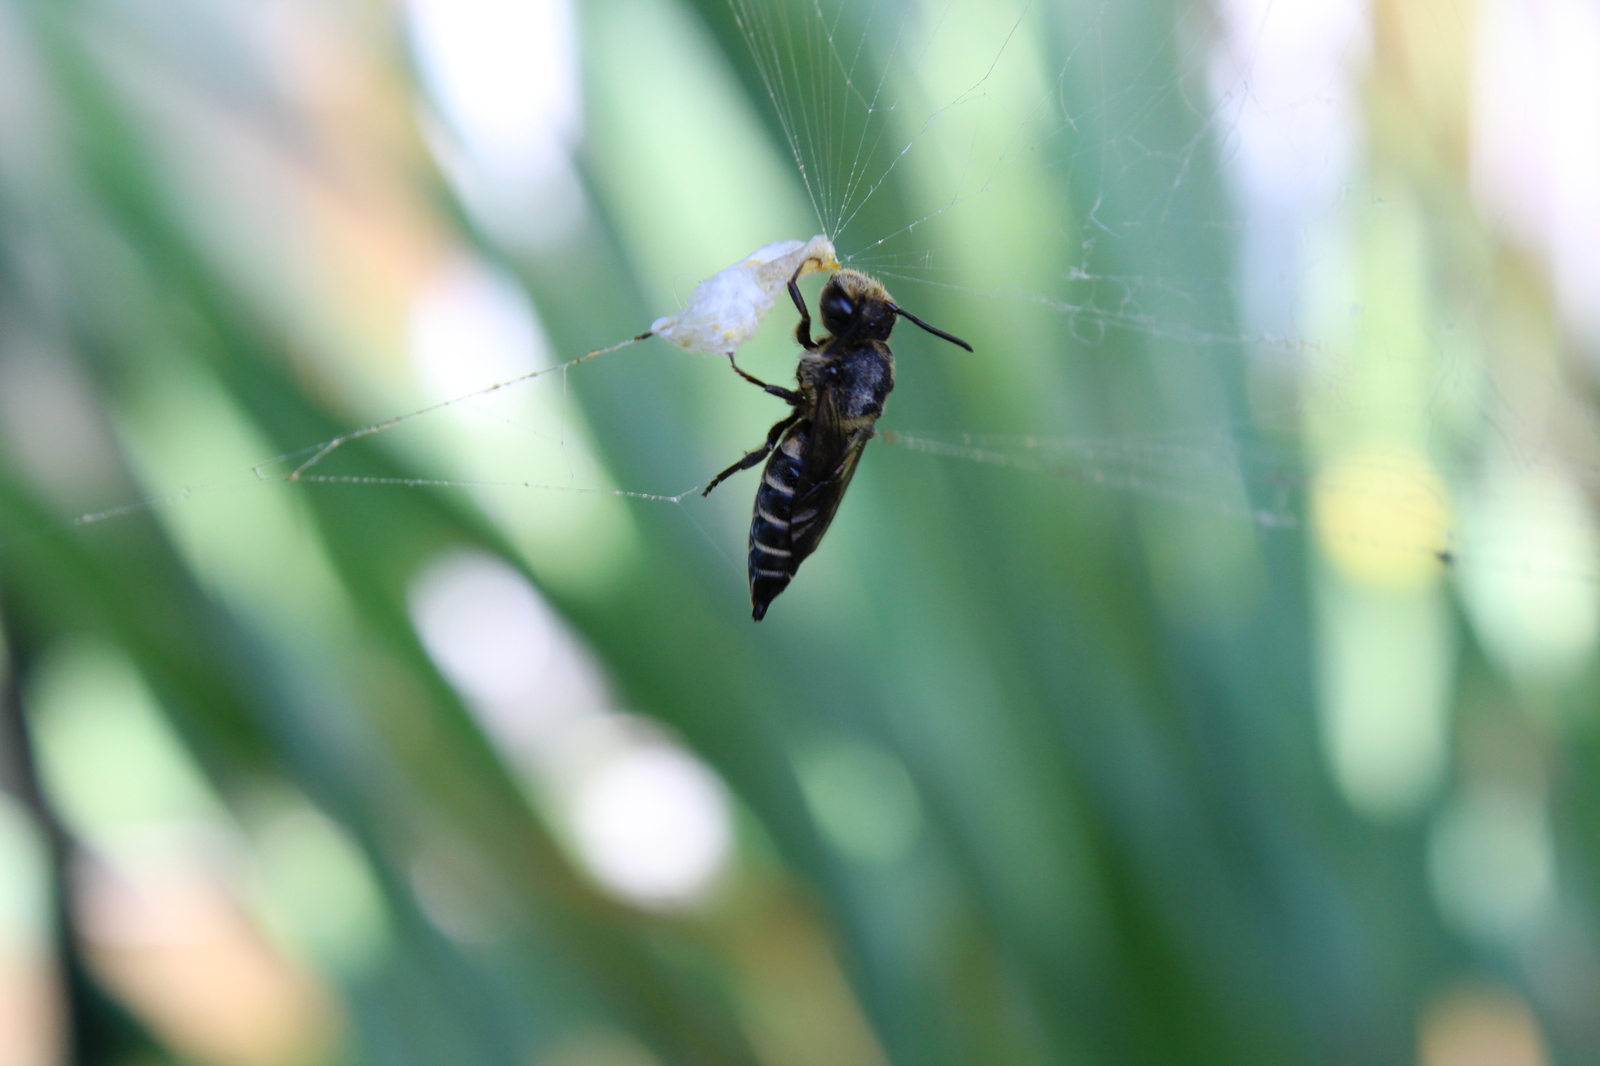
x=861, y=376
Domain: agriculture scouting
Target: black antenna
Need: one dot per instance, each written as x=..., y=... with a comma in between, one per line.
x=903, y=313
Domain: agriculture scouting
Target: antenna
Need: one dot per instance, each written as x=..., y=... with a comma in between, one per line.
x=936, y=332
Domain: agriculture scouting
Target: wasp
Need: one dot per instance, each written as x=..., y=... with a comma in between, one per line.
x=844, y=378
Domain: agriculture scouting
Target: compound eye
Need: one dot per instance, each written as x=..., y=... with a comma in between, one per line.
x=839, y=307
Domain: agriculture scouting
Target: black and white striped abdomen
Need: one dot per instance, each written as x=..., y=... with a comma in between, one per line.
x=772, y=557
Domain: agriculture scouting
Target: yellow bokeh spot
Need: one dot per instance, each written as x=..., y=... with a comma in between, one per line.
x=1383, y=517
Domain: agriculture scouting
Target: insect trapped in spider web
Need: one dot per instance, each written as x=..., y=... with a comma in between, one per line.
x=844, y=379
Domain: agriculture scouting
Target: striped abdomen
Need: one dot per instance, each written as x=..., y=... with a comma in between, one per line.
x=773, y=558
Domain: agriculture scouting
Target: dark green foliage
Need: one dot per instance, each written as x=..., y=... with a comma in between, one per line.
x=1129, y=848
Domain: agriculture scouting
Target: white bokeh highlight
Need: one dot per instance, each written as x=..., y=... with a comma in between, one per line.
x=507, y=652
x=651, y=822
x=502, y=78
x=1285, y=79
x=1536, y=140
x=474, y=338
x=1536, y=621
x=471, y=327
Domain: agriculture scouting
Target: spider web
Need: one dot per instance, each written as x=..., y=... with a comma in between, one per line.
x=916, y=131
x=1289, y=141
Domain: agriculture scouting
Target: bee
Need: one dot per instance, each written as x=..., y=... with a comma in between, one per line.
x=844, y=379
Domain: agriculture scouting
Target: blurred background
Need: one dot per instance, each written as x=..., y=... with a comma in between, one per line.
x=1201, y=672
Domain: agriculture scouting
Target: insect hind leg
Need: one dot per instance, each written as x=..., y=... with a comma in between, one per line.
x=752, y=458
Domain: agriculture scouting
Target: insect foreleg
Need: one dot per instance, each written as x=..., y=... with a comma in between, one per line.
x=752, y=458
x=802, y=331
x=789, y=396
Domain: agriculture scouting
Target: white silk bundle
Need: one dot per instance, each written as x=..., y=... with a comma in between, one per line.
x=726, y=309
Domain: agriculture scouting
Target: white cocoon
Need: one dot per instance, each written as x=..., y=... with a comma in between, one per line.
x=726, y=309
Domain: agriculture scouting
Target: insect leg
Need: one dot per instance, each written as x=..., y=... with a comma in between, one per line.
x=802, y=332
x=788, y=395
x=752, y=458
